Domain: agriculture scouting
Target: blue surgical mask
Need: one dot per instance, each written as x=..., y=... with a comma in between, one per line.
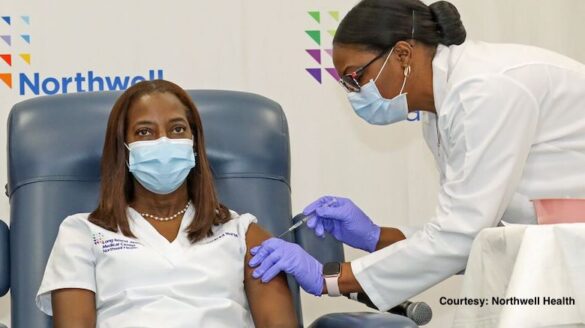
x=369, y=104
x=162, y=165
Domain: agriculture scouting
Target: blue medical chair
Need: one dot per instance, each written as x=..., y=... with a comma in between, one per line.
x=54, y=149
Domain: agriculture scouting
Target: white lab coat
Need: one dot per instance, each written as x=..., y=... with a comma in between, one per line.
x=148, y=281
x=511, y=128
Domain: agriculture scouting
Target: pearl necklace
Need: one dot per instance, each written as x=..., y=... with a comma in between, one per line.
x=168, y=218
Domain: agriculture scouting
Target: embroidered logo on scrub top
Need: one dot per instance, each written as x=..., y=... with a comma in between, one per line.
x=98, y=238
x=113, y=244
x=221, y=236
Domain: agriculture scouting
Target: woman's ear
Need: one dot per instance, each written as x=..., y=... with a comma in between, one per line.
x=403, y=50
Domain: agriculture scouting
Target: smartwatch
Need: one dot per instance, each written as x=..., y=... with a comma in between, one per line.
x=331, y=273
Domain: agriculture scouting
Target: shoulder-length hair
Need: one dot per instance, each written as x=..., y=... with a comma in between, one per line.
x=117, y=188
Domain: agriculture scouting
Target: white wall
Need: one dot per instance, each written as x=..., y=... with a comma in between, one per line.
x=259, y=46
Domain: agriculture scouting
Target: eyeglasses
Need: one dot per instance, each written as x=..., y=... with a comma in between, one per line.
x=350, y=81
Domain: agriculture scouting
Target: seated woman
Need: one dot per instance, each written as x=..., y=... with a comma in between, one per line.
x=159, y=250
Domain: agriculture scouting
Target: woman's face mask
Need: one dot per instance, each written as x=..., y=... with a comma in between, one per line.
x=369, y=104
x=162, y=165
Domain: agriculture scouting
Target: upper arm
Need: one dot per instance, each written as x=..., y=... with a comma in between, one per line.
x=270, y=303
x=73, y=307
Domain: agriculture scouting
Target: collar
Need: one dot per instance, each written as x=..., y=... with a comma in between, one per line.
x=444, y=63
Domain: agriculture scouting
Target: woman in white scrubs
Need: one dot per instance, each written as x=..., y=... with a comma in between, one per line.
x=505, y=123
x=159, y=250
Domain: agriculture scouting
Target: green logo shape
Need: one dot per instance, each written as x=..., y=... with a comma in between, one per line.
x=332, y=32
x=316, y=16
x=315, y=35
x=335, y=15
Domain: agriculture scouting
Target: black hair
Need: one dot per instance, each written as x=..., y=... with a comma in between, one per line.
x=379, y=24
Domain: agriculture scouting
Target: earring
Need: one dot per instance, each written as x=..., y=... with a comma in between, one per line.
x=407, y=71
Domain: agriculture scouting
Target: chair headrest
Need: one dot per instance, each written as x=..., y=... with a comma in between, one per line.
x=246, y=135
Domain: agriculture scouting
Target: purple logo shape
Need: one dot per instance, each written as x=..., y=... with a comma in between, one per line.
x=315, y=53
x=333, y=72
x=6, y=39
x=315, y=73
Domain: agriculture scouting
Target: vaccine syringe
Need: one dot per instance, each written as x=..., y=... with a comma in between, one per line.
x=305, y=219
x=294, y=226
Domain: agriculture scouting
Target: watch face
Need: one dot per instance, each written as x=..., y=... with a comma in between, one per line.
x=331, y=268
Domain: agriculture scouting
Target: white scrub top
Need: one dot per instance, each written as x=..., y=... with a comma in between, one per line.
x=148, y=281
x=510, y=128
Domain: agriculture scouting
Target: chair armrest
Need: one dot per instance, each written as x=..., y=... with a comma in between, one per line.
x=363, y=320
x=325, y=250
x=4, y=259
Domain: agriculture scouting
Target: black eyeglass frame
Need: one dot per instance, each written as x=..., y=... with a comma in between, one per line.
x=350, y=81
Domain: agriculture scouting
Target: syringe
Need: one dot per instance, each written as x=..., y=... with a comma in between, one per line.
x=305, y=219
x=294, y=226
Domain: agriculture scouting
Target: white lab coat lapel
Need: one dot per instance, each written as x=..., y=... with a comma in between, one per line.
x=444, y=63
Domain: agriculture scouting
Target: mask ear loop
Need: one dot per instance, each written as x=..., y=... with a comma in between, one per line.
x=406, y=74
x=408, y=69
x=385, y=62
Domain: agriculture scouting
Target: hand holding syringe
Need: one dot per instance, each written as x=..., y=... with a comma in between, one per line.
x=303, y=220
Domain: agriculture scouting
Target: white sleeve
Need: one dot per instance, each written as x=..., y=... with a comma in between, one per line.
x=407, y=231
x=243, y=222
x=71, y=263
x=490, y=128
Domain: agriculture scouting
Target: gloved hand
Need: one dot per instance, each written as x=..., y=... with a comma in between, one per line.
x=275, y=255
x=344, y=220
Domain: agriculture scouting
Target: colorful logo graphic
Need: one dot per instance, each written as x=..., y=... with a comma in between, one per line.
x=113, y=244
x=14, y=34
x=15, y=67
x=321, y=33
x=98, y=238
x=324, y=25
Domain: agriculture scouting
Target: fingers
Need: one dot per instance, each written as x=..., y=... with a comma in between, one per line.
x=336, y=213
x=265, y=249
x=259, y=256
x=255, y=250
x=273, y=243
x=325, y=200
x=271, y=273
x=316, y=224
x=328, y=225
x=267, y=263
x=312, y=222
x=319, y=231
x=311, y=208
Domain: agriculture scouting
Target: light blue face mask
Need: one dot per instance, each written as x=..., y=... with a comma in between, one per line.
x=369, y=104
x=161, y=166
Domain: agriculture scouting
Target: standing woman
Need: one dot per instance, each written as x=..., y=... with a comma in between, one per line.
x=505, y=123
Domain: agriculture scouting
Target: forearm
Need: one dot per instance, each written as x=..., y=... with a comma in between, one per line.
x=389, y=236
x=347, y=281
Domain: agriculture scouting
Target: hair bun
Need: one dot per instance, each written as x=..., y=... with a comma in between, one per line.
x=451, y=29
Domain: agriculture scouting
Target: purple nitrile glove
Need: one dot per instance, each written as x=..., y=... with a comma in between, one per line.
x=275, y=255
x=344, y=220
